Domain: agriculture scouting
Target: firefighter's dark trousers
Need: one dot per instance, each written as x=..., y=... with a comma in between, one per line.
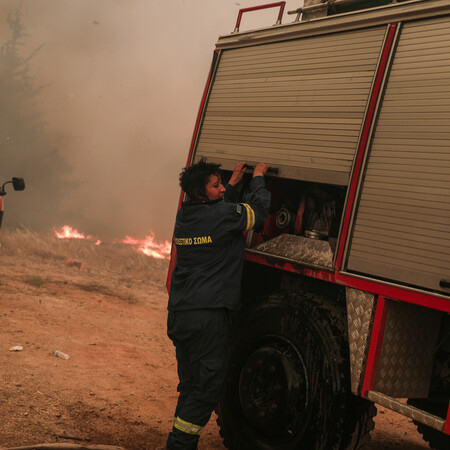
x=201, y=342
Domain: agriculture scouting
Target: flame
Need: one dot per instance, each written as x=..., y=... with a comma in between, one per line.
x=68, y=232
x=149, y=247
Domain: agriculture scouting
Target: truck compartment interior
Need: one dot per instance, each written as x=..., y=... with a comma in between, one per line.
x=303, y=223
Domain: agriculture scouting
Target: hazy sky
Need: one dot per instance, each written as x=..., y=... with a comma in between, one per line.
x=125, y=81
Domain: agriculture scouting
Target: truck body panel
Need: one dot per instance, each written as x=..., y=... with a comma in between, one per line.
x=302, y=105
x=403, y=219
x=298, y=105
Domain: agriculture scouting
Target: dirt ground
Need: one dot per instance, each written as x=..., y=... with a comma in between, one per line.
x=105, y=307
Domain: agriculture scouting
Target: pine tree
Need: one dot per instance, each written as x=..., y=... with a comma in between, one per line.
x=26, y=147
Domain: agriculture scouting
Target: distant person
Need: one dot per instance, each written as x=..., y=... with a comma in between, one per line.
x=205, y=287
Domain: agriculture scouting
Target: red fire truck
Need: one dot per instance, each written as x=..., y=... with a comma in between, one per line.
x=346, y=288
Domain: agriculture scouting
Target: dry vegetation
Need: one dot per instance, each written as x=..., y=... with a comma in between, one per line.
x=104, y=306
x=111, y=268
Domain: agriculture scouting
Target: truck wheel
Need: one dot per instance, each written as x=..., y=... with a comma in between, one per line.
x=288, y=385
x=436, y=439
x=359, y=424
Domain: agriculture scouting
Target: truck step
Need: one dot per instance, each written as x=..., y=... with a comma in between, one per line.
x=407, y=410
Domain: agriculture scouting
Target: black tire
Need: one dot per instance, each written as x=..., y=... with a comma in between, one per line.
x=289, y=384
x=359, y=423
x=436, y=439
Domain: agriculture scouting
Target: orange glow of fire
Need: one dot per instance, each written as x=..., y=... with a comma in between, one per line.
x=149, y=247
x=68, y=232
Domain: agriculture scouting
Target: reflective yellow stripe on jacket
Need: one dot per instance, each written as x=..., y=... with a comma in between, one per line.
x=187, y=427
x=250, y=217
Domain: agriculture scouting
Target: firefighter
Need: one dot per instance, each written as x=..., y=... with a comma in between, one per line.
x=205, y=287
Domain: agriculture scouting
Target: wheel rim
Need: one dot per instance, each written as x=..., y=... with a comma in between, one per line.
x=273, y=388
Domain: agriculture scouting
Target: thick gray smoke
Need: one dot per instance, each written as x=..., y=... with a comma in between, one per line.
x=102, y=143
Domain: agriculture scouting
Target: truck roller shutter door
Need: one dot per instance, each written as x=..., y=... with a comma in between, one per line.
x=402, y=226
x=297, y=105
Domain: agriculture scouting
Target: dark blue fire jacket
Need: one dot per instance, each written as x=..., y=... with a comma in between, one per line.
x=210, y=248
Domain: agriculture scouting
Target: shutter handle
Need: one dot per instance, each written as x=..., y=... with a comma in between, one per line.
x=444, y=284
x=273, y=170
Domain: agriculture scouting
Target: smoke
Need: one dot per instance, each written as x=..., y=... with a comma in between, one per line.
x=123, y=81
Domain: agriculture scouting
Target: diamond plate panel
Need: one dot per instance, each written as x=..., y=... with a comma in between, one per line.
x=360, y=314
x=407, y=410
x=406, y=358
x=299, y=248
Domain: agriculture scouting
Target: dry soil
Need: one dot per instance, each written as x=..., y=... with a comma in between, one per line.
x=105, y=307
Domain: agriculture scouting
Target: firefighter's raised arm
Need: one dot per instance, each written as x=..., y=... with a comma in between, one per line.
x=238, y=173
x=257, y=200
x=260, y=169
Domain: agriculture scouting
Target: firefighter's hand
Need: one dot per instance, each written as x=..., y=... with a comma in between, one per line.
x=238, y=173
x=260, y=169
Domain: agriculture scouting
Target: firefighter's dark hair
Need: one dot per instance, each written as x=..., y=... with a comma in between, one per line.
x=193, y=179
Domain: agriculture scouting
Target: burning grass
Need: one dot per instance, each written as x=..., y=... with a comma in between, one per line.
x=40, y=259
x=148, y=246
